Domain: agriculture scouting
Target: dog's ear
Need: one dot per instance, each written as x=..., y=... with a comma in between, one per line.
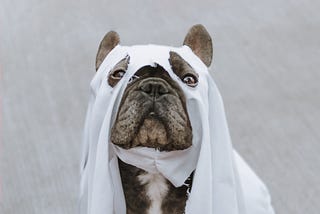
x=109, y=41
x=200, y=42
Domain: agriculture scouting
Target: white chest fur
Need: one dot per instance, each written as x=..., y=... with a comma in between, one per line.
x=156, y=190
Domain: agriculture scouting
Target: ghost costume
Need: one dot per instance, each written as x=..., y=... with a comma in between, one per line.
x=222, y=184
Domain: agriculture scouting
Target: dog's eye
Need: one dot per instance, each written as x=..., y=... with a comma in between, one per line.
x=190, y=80
x=117, y=74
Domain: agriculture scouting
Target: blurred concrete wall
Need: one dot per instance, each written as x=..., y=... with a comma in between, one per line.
x=266, y=63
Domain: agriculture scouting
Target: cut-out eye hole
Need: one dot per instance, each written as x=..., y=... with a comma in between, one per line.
x=117, y=74
x=190, y=80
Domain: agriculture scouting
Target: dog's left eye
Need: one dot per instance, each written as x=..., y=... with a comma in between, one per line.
x=190, y=80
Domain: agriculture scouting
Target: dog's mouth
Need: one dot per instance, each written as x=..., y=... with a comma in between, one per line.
x=161, y=128
x=152, y=133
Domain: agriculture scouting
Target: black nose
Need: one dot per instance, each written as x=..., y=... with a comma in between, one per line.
x=154, y=87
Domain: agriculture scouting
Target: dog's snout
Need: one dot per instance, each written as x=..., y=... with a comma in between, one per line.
x=154, y=87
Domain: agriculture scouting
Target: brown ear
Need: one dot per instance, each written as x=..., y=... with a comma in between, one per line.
x=109, y=41
x=199, y=40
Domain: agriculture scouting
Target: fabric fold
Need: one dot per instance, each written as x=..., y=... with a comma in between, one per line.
x=222, y=182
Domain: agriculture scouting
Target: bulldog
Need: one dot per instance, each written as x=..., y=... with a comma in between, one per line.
x=156, y=138
x=153, y=113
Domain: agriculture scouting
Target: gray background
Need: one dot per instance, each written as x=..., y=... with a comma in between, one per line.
x=266, y=63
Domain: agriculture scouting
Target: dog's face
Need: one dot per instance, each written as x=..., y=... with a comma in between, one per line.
x=152, y=112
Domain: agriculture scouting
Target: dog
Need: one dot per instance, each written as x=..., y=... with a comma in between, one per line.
x=153, y=113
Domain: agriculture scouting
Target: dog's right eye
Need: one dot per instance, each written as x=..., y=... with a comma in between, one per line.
x=118, y=71
x=117, y=74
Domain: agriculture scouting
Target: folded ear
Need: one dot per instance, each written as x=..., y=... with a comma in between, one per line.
x=200, y=42
x=109, y=41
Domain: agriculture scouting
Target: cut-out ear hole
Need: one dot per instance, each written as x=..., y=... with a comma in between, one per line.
x=200, y=42
x=109, y=41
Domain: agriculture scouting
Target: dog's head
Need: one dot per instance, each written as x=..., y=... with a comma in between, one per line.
x=152, y=111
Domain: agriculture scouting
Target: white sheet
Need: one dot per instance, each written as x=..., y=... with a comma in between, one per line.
x=223, y=183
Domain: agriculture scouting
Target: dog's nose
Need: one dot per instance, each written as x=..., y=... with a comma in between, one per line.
x=155, y=87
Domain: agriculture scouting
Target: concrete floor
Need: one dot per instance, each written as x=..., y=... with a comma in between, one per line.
x=266, y=63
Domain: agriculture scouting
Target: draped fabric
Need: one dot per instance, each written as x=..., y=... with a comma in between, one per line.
x=223, y=183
